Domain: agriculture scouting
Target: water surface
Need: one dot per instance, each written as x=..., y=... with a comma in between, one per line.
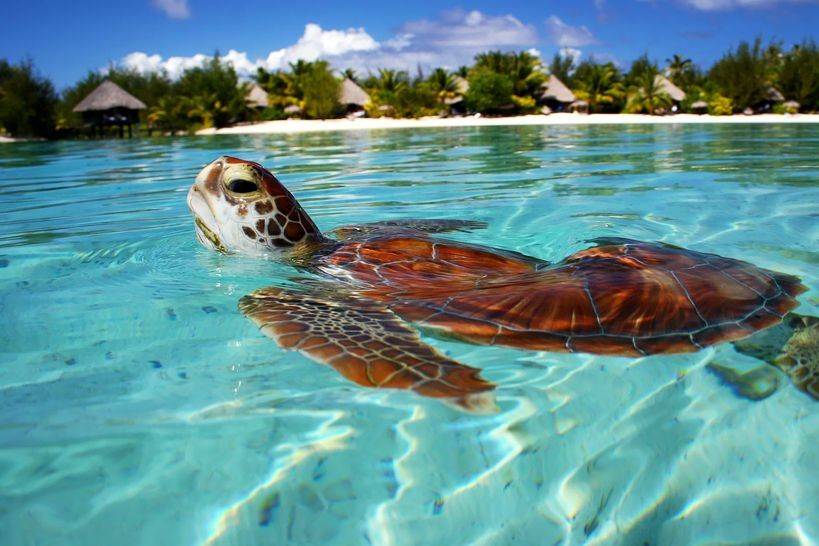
x=137, y=406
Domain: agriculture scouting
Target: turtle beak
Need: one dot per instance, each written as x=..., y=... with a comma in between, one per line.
x=207, y=229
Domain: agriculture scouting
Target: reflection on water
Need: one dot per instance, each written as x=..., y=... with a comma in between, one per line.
x=137, y=402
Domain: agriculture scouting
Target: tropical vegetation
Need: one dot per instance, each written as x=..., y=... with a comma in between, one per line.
x=752, y=76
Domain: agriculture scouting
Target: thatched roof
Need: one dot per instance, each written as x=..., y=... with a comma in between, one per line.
x=670, y=89
x=699, y=104
x=792, y=104
x=257, y=97
x=106, y=96
x=292, y=109
x=351, y=93
x=774, y=95
x=555, y=89
x=461, y=85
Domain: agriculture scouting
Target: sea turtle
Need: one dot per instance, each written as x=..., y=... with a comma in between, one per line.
x=618, y=297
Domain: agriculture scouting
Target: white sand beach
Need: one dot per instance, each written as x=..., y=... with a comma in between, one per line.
x=303, y=125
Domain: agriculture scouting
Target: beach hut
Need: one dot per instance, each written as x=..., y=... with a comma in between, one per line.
x=772, y=96
x=257, y=97
x=456, y=104
x=109, y=105
x=699, y=107
x=556, y=96
x=292, y=110
x=352, y=97
x=579, y=107
x=677, y=95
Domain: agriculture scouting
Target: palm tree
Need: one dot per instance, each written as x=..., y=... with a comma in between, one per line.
x=599, y=84
x=677, y=65
x=349, y=74
x=647, y=95
x=390, y=80
x=444, y=84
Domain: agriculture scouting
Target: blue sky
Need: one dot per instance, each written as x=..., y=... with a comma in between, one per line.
x=66, y=39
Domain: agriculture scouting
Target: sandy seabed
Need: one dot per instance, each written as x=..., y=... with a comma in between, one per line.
x=304, y=126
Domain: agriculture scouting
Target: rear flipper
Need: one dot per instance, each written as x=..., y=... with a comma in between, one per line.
x=410, y=224
x=793, y=347
x=366, y=343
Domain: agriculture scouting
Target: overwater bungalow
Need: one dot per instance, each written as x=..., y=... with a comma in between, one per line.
x=352, y=97
x=677, y=95
x=109, y=105
x=556, y=96
x=257, y=97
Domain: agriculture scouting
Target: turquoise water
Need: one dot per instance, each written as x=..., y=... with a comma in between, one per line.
x=137, y=406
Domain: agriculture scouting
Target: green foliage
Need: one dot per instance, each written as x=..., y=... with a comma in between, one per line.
x=489, y=91
x=562, y=67
x=645, y=94
x=213, y=94
x=27, y=101
x=799, y=75
x=641, y=66
x=444, y=84
x=320, y=91
x=600, y=85
x=523, y=69
x=745, y=75
x=720, y=106
x=393, y=94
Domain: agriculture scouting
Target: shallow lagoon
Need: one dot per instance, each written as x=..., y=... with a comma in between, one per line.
x=138, y=406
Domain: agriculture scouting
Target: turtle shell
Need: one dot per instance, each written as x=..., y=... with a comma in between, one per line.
x=622, y=297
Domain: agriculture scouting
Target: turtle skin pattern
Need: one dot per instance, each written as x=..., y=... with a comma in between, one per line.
x=364, y=342
x=622, y=297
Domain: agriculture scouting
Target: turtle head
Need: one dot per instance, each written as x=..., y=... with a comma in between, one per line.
x=239, y=206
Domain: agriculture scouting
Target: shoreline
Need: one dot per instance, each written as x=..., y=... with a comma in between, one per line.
x=306, y=126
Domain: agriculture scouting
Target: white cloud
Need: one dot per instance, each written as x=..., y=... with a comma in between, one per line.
x=570, y=53
x=174, y=66
x=470, y=30
x=175, y=9
x=566, y=35
x=451, y=40
x=716, y=5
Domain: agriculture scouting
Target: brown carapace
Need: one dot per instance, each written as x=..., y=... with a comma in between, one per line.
x=618, y=297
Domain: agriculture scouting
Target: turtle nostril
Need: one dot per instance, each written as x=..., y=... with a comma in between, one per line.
x=242, y=186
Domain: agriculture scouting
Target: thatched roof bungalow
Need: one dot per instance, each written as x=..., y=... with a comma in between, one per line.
x=772, y=96
x=666, y=86
x=791, y=107
x=352, y=97
x=257, y=97
x=110, y=105
x=556, y=96
x=699, y=107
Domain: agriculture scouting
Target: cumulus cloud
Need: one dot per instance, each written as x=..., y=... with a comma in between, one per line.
x=566, y=35
x=450, y=40
x=175, y=9
x=717, y=5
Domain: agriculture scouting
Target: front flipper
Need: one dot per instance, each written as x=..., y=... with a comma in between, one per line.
x=365, y=342
x=410, y=224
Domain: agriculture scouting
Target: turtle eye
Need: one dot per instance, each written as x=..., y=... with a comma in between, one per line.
x=241, y=185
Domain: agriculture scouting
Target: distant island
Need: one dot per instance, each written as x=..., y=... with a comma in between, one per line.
x=751, y=79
